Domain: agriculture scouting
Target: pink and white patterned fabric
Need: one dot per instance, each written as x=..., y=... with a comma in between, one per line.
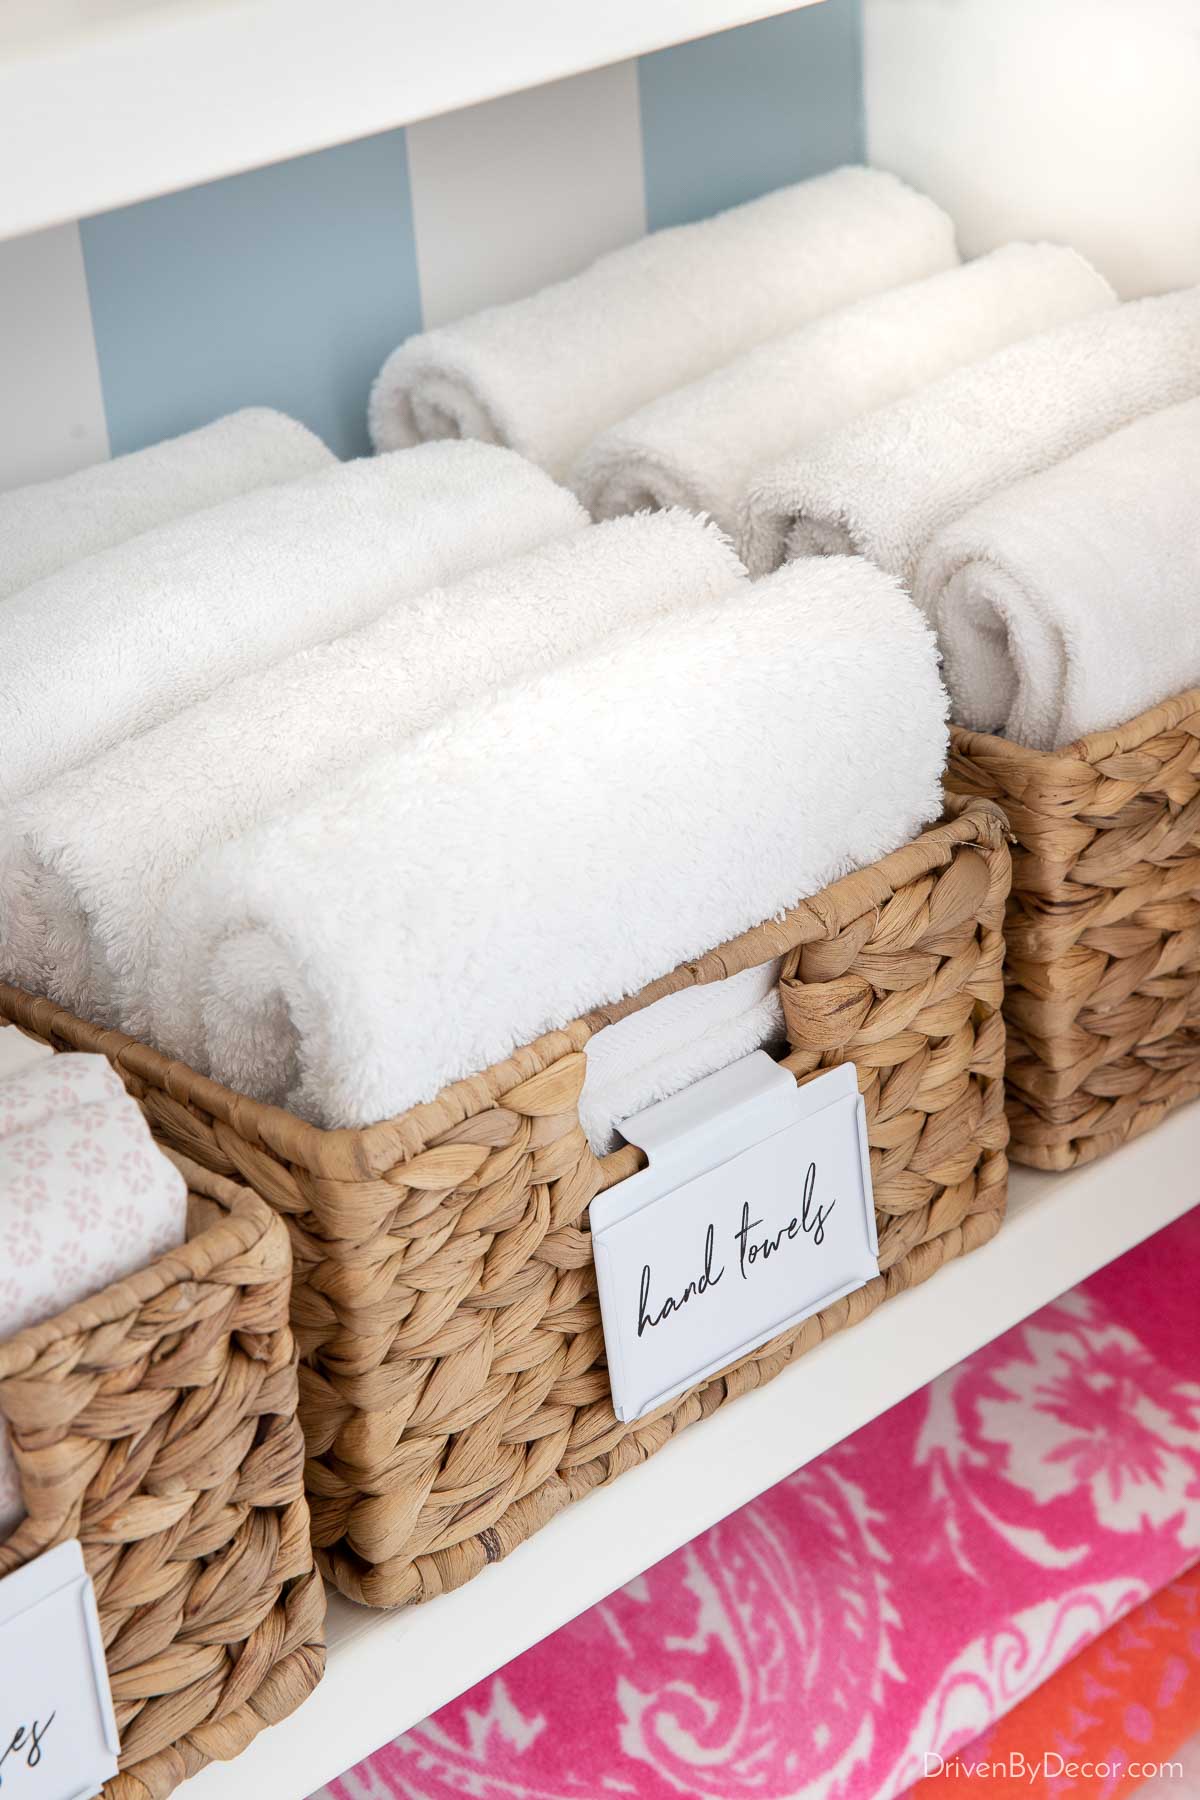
x=894, y=1597
x=85, y=1198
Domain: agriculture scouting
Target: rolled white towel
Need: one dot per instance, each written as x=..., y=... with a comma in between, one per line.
x=88, y=860
x=86, y=1197
x=885, y=483
x=1070, y=602
x=110, y=646
x=654, y=1053
x=557, y=847
x=548, y=373
x=50, y=524
x=701, y=446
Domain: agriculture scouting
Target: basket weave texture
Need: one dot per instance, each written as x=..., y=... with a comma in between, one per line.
x=1102, y=974
x=156, y=1422
x=454, y=1393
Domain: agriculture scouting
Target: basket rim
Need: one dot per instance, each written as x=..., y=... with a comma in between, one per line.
x=1094, y=748
x=248, y=1223
x=357, y=1153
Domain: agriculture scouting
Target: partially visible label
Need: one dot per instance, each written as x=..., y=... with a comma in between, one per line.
x=58, y=1735
x=755, y=1212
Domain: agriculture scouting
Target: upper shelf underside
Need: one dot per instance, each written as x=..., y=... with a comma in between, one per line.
x=104, y=102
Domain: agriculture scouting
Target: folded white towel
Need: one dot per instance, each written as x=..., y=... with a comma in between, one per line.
x=654, y=1053
x=18, y=1051
x=110, y=646
x=86, y=1197
x=548, y=373
x=701, y=446
x=88, y=860
x=885, y=483
x=557, y=847
x=52, y=523
x=1071, y=602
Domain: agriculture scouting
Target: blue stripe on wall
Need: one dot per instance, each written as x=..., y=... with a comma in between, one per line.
x=284, y=287
x=729, y=117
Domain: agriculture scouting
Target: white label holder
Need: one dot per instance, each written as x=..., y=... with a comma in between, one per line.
x=755, y=1212
x=58, y=1734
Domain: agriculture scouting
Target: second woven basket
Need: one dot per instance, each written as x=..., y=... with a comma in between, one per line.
x=1102, y=972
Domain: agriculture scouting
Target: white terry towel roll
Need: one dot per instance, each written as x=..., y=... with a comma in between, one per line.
x=679, y=1039
x=548, y=373
x=557, y=847
x=86, y=1198
x=50, y=524
x=885, y=483
x=110, y=646
x=89, y=859
x=1070, y=602
x=701, y=446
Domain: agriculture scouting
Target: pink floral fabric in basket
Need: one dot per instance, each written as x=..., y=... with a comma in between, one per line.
x=894, y=1597
x=86, y=1197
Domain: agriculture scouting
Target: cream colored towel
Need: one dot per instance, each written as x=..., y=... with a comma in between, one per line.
x=884, y=484
x=52, y=523
x=702, y=445
x=654, y=1053
x=545, y=375
x=1070, y=602
x=107, y=648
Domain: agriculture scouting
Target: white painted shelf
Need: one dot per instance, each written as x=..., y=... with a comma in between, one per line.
x=103, y=102
x=388, y=1670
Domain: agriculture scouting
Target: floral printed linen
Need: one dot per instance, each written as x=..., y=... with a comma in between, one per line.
x=85, y=1198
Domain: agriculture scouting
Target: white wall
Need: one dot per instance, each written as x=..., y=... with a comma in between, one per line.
x=1075, y=120
x=51, y=407
x=568, y=154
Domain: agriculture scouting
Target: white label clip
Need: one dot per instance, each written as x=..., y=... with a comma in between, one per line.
x=58, y=1735
x=755, y=1212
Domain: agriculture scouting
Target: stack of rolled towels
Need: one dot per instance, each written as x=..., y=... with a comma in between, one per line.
x=1012, y=444
x=703, y=445
x=556, y=845
x=547, y=374
x=1041, y=505
x=110, y=645
x=510, y=757
x=345, y=782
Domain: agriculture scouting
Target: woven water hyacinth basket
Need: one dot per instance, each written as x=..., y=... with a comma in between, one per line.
x=1102, y=973
x=156, y=1423
x=454, y=1392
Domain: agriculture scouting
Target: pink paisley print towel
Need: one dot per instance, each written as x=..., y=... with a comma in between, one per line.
x=893, y=1598
x=85, y=1198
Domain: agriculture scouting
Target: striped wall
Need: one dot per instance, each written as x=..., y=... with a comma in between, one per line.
x=287, y=286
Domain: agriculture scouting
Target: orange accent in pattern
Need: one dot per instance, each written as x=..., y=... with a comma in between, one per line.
x=1131, y=1698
